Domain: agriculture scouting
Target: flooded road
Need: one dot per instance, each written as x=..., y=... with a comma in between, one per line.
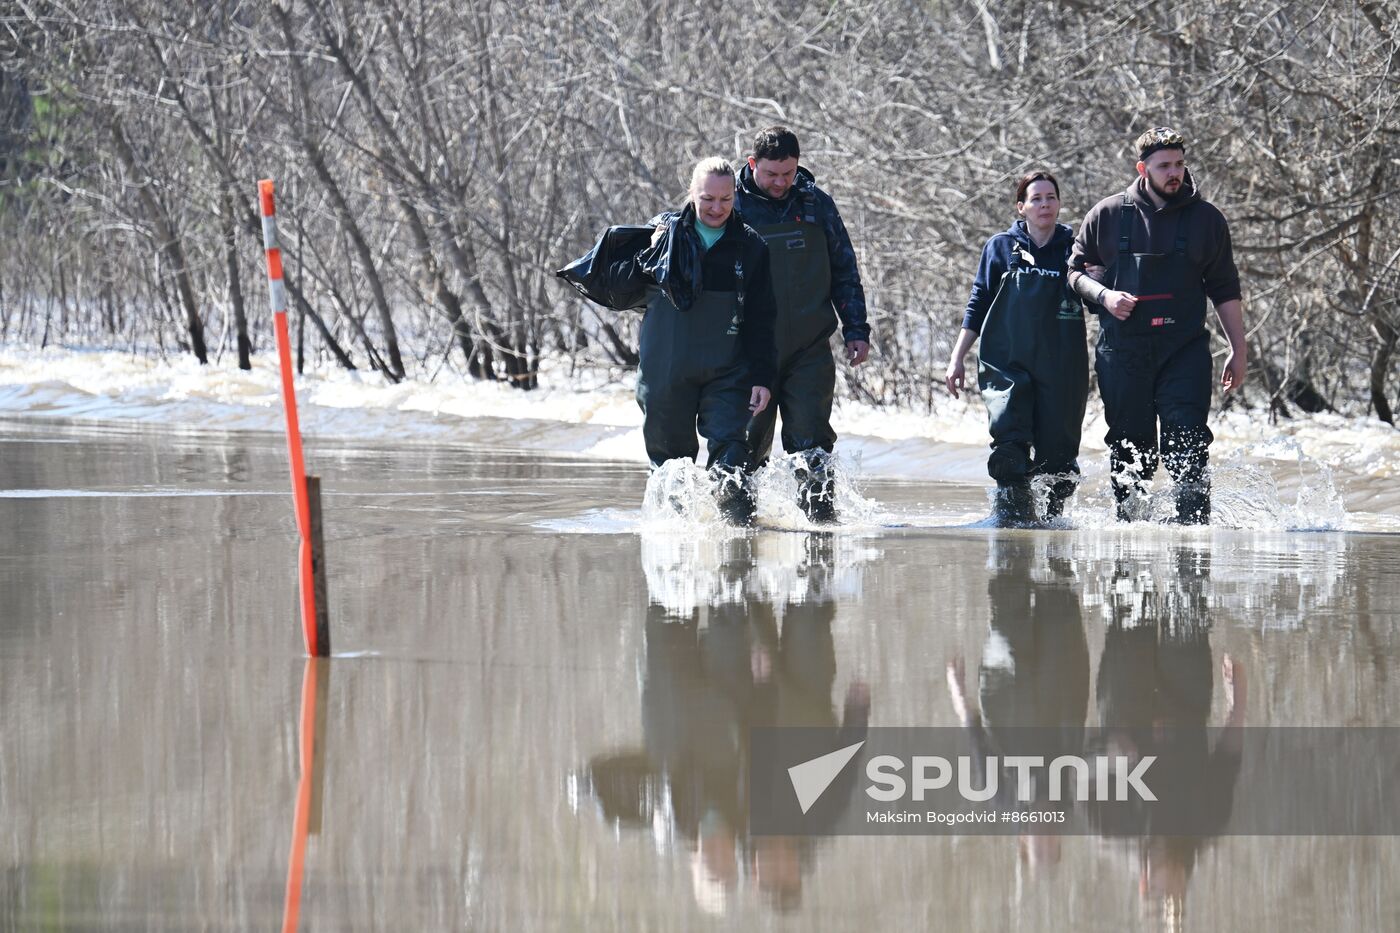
x=532, y=717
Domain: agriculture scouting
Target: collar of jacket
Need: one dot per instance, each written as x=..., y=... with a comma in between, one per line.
x=1018, y=231
x=685, y=219
x=805, y=180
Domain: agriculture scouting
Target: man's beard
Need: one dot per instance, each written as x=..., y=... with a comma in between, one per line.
x=1164, y=195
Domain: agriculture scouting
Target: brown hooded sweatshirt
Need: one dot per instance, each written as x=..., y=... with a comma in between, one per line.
x=1154, y=231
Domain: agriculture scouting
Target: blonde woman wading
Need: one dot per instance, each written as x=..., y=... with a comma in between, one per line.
x=708, y=358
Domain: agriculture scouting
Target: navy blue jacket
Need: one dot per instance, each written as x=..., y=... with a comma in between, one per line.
x=996, y=259
x=759, y=210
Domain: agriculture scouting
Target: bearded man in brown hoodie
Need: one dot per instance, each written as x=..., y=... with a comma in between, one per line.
x=1164, y=250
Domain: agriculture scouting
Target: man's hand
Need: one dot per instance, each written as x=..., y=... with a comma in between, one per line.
x=660, y=232
x=857, y=351
x=955, y=378
x=1236, y=364
x=1119, y=304
x=1236, y=367
x=759, y=398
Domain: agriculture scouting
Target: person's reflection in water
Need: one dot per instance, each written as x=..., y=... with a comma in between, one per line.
x=721, y=658
x=1156, y=677
x=1034, y=681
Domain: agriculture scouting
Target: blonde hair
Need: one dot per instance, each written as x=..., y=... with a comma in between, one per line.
x=714, y=165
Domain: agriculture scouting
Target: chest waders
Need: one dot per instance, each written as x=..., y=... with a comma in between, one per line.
x=1033, y=371
x=693, y=377
x=806, y=382
x=1156, y=366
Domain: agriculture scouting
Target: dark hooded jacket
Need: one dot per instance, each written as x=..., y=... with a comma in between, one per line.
x=682, y=268
x=997, y=258
x=759, y=210
x=1154, y=231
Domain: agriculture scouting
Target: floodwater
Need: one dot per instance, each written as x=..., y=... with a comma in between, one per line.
x=530, y=717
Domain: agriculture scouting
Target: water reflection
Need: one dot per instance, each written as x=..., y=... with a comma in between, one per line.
x=1033, y=686
x=1153, y=696
x=1154, y=693
x=738, y=635
x=306, y=817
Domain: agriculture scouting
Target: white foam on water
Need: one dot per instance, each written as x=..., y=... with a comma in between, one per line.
x=594, y=414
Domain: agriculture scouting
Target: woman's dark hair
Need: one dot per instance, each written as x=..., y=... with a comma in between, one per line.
x=776, y=143
x=1031, y=178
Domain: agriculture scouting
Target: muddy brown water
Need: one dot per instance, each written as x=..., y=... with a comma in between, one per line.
x=505, y=641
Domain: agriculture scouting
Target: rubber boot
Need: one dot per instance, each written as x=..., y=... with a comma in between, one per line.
x=1192, y=504
x=733, y=495
x=1013, y=507
x=816, y=487
x=1058, y=494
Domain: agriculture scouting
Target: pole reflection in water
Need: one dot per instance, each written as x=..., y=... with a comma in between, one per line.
x=306, y=818
x=738, y=634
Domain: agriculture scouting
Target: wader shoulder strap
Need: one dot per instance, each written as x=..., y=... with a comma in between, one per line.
x=1125, y=226
x=809, y=205
x=738, y=298
x=1018, y=258
x=1182, y=227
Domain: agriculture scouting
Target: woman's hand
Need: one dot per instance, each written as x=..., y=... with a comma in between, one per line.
x=660, y=232
x=759, y=397
x=955, y=378
x=956, y=375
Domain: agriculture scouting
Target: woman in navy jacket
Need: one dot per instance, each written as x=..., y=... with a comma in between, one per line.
x=1033, y=367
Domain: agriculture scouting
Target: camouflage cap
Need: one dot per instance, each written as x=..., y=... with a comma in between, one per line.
x=1159, y=137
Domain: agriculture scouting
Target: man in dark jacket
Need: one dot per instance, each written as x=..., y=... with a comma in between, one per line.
x=815, y=282
x=1166, y=251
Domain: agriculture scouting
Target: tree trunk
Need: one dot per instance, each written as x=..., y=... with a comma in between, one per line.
x=235, y=284
x=305, y=309
x=346, y=217
x=451, y=304
x=170, y=243
x=1380, y=370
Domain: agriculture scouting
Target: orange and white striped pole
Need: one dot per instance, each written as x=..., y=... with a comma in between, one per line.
x=312, y=573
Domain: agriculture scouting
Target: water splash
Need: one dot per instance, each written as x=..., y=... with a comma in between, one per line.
x=779, y=493
x=1247, y=495
x=1254, y=488
x=680, y=495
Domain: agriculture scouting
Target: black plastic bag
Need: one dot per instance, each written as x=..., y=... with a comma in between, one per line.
x=591, y=273
x=674, y=261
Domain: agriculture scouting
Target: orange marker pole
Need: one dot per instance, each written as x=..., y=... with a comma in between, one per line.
x=277, y=292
